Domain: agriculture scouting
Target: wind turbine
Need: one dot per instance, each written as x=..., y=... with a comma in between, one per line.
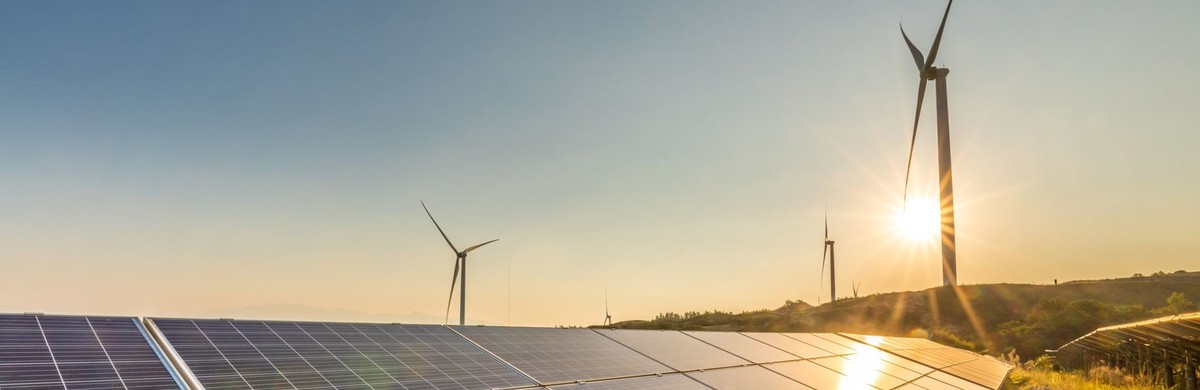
x=930, y=72
x=828, y=249
x=459, y=260
x=607, y=317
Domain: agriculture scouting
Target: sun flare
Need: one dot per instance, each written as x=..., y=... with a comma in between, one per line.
x=921, y=220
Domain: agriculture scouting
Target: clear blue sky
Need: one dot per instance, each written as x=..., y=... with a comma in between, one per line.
x=176, y=158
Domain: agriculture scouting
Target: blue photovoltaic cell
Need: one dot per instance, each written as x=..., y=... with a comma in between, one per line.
x=234, y=354
x=75, y=352
x=555, y=356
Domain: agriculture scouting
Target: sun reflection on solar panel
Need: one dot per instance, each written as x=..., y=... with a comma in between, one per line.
x=863, y=368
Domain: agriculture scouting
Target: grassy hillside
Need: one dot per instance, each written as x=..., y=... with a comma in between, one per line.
x=992, y=318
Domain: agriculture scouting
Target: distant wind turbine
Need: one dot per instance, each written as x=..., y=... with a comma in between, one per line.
x=607, y=317
x=828, y=249
x=460, y=260
x=930, y=72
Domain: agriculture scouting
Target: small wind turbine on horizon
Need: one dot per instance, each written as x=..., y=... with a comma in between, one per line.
x=929, y=72
x=607, y=317
x=460, y=260
x=828, y=249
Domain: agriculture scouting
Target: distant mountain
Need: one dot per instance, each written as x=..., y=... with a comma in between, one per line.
x=997, y=318
x=299, y=312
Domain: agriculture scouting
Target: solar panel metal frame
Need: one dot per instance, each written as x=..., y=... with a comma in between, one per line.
x=1178, y=335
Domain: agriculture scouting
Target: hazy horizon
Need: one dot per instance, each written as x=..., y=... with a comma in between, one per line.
x=177, y=158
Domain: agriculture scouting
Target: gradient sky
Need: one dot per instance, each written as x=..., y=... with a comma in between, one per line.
x=168, y=158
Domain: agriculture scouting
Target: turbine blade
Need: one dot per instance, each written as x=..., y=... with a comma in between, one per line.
x=477, y=246
x=916, y=53
x=826, y=223
x=452, y=282
x=937, y=40
x=439, y=228
x=913, y=144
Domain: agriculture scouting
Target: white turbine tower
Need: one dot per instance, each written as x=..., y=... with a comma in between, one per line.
x=930, y=72
x=459, y=260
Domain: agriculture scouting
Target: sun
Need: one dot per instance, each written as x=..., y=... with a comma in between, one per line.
x=921, y=220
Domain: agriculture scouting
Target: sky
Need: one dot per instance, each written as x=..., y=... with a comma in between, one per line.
x=268, y=158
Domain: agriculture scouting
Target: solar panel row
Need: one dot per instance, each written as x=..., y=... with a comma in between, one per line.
x=66, y=352
x=229, y=354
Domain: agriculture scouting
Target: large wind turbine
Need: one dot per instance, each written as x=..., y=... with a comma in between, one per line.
x=459, y=260
x=828, y=249
x=930, y=72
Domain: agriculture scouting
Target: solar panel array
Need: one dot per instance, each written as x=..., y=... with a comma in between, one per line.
x=75, y=352
x=61, y=352
x=230, y=354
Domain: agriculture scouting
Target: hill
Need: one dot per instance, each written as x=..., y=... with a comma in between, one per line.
x=989, y=318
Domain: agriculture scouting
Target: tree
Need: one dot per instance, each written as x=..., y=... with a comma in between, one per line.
x=1177, y=303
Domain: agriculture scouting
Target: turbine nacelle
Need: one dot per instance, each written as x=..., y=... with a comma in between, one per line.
x=934, y=72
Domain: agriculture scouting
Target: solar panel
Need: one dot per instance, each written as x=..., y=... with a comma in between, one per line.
x=942, y=377
x=76, y=352
x=790, y=345
x=810, y=374
x=674, y=349
x=224, y=354
x=657, y=382
x=815, y=339
x=553, y=356
x=745, y=378
x=743, y=346
x=862, y=369
x=930, y=384
x=982, y=370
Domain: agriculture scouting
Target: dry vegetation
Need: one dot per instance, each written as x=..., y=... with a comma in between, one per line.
x=1099, y=378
